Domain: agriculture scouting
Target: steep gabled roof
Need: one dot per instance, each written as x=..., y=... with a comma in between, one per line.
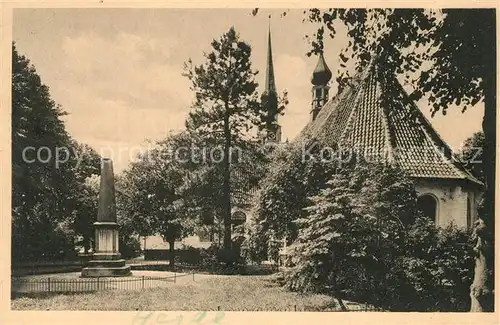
x=356, y=120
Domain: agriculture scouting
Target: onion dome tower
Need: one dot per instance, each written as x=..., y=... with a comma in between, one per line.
x=320, y=79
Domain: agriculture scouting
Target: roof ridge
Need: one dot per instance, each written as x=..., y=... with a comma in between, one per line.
x=334, y=101
x=385, y=122
x=353, y=112
x=352, y=82
x=429, y=132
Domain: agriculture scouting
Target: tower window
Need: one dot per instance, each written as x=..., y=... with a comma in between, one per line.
x=470, y=221
x=428, y=205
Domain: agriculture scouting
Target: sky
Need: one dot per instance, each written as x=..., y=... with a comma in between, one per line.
x=118, y=72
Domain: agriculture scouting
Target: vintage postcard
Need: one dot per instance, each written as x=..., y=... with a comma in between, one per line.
x=217, y=163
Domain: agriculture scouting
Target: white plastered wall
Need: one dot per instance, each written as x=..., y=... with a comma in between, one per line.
x=452, y=199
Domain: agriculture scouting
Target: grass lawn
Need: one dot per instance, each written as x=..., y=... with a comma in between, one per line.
x=229, y=293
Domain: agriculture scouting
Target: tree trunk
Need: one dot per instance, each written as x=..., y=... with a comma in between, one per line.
x=335, y=292
x=86, y=244
x=171, y=252
x=227, y=179
x=482, y=288
x=219, y=232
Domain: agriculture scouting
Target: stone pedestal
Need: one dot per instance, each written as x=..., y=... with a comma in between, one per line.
x=106, y=260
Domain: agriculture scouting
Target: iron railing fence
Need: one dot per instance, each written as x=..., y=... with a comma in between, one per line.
x=148, y=262
x=53, y=284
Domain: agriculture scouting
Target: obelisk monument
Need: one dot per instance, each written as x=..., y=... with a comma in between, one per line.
x=106, y=259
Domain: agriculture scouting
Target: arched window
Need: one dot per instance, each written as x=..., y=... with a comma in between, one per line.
x=427, y=204
x=238, y=218
x=318, y=93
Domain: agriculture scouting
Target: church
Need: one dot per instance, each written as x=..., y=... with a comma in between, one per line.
x=356, y=120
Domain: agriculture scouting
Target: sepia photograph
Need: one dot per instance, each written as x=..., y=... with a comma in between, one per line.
x=252, y=159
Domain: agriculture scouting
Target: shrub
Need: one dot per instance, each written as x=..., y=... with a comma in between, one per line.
x=130, y=246
x=50, y=243
x=220, y=260
x=362, y=239
x=189, y=256
x=439, y=265
x=432, y=272
x=209, y=257
x=254, y=248
x=357, y=220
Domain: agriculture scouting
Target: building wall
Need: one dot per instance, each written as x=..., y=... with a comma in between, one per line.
x=196, y=241
x=452, y=199
x=157, y=242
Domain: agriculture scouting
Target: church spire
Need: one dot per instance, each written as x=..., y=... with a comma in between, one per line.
x=270, y=83
x=270, y=98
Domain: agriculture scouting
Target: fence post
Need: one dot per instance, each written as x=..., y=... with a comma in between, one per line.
x=98, y=286
x=193, y=275
x=48, y=281
x=175, y=276
x=366, y=306
x=143, y=282
x=295, y=307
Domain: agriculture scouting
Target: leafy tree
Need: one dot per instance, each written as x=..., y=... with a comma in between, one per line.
x=296, y=172
x=86, y=212
x=43, y=189
x=150, y=193
x=52, y=201
x=448, y=56
x=255, y=245
x=359, y=218
x=471, y=155
x=87, y=191
x=226, y=110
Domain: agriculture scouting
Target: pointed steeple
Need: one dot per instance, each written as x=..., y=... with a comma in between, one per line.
x=270, y=98
x=270, y=83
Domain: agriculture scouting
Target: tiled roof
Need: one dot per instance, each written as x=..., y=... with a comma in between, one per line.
x=356, y=120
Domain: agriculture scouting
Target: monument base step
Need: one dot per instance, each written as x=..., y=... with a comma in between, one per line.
x=93, y=272
x=106, y=263
x=106, y=256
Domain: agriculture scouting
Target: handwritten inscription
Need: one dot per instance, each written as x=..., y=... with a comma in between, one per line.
x=144, y=318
